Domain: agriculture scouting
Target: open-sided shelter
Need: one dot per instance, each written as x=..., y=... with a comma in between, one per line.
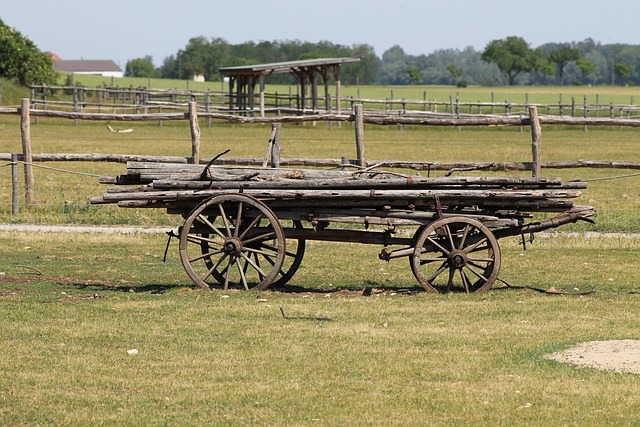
x=243, y=81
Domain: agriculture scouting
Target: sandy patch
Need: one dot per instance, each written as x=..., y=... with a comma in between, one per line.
x=615, y=355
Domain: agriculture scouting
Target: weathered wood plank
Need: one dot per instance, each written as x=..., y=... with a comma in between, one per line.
x=379, y=217
x=372, y=194
x=381, y=183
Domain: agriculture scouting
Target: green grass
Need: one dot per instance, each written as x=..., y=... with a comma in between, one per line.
x=230, y=358
x=63, y=197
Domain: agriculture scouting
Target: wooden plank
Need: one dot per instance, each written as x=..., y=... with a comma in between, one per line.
x=356, y=183
x=302, y=194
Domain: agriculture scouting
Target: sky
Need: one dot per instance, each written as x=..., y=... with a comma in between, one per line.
x=122, y=30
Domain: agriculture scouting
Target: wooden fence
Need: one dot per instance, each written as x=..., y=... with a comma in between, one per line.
x=358, y=117
x=143, y=100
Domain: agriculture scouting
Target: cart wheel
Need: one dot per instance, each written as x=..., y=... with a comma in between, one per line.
x=456, y=253
x=293, y=255
x=232, y=240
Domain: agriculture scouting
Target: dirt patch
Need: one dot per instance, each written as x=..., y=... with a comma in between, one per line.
x=615, y=355
x=10, y=292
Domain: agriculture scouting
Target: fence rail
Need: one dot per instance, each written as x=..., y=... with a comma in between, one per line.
x=377, y=119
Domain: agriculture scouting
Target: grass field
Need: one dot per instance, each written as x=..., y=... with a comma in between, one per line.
x=73, y=305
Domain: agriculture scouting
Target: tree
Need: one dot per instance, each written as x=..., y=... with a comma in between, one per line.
x=20, y=59
x=561, y=57
x=140, y=67
x=622, y=71
x=455, y=72
x=630, y=56
x=512, y=55
x=366, y=70
x=394, y=67
x=586, y=67
x=543, y=67
x=218, y=54
x=192, y=60
x=414, y=74
x=169, y=67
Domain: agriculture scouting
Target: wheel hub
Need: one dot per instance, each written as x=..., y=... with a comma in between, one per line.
x=233, y=246
x=457, y=259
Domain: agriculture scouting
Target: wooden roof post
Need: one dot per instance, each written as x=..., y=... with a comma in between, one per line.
x=261, y=83
x=338, y=95
x=314, y=88
x=250, y=90
x=325, y=78
x=303, y=93
x=232, y=81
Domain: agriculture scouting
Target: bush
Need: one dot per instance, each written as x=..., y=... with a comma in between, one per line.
x=21, y=60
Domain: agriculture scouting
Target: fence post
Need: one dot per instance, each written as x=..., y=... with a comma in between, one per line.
x=275, y=147
x=195, y=132
x=536, y=134
x=272, y=156
x=75, y=103
x=586, y=111
x=359, y=122
x=25, y=130
x=207, y=103
x=14, y=184
x=344, y=163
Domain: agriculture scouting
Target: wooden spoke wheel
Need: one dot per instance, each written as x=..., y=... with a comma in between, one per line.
x=456, y=254
x=293, y=255
x=232, y=241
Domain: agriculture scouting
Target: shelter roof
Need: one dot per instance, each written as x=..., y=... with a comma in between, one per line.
x=85, y=65
x=286, y=67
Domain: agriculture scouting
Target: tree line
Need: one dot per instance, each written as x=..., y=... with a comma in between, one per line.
x=508, y=61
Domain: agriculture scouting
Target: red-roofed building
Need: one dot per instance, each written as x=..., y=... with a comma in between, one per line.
x=102, y=67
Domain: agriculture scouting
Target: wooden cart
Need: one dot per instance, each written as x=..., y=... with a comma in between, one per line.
x=247, y=227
